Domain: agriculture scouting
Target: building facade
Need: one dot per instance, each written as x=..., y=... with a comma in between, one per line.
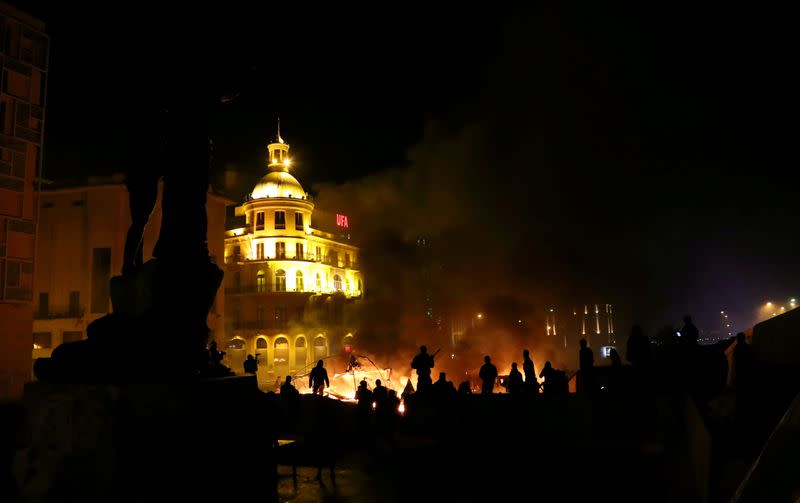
x=290, y=287
x=23, y=69
x=593, y=322
x=81, y=238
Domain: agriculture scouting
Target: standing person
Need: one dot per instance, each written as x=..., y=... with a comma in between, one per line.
x=423, y=363
x=488, y=375
x=515, y=383
x=531, y=382
x=318, y=379
x=250, y=365
x=689, y=332
x=586, y=359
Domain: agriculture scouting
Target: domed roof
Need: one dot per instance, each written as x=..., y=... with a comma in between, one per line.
x=278, y=184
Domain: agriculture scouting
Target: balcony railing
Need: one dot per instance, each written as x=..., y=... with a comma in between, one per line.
x=54, y=314
x=264, y=324
x=308, y=257
x=264, y=289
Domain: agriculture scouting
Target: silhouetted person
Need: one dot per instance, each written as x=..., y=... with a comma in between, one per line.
x=250, y=365
x=364, y=401
x=288, y=390
x=379, y=394
x=318, y=379
x=615, y=359
x=423, y=363
x=214, y=356
x=488, y=375
x=531, y=383
x=743, y=363
x=615, y=372
x=586, y=359
x=548, y=373
x=689, y=332
x=514, y=384
x=393, y=403
x=465, y=388
x=215, y=367
x=638, y=348
x=444, y=388
x=364, y=395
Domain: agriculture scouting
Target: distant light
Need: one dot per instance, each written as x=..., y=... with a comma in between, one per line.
x=783, y=308
x=519, y=321
x=792, y=301
x=769, y=304
x=679, y=334
x=287, y=162
x=551, y=309
x=722, y=312
x=480, y=316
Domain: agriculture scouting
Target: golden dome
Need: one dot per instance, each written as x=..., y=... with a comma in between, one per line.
x=278, y=184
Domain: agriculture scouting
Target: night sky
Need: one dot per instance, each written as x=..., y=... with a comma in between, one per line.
x=641, y=154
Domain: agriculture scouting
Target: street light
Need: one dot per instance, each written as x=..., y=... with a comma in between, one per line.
x=480, y=316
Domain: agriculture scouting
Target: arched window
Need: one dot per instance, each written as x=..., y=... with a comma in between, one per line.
x=261, y=343
x=300, y=353
x=348, y=343
x=319, y=284
x=299, y=281
x=280, y=280
x=320, y=348
x=281, y=351
x=261, y=282
x=337, y=283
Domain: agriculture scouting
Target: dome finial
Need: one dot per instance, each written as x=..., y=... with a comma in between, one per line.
x=278, y=157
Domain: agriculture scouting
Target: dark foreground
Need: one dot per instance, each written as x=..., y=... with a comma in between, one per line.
x=217, y=443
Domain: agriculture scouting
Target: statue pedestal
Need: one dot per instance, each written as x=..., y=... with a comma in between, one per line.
x=202, y=441
x=165, y=304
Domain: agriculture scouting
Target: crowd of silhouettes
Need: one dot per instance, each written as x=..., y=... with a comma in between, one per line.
x=649, y=369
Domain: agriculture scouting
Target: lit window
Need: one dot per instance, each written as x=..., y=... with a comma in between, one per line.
x=280, y=219
x=280, y=280
x=298, y=251
x=280, y=250
x=298, y=221
x=337, y=283
x=261, y=284
x=319, y=254
x=260, y=251
x=319, y=283
x=347, y=260
x=261, y=343
x=299, y=281
x=260, y=221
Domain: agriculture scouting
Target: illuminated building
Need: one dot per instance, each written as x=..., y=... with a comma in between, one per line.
x=290, y=287
x=81, y=238
x=23, y=67
x=593, y=322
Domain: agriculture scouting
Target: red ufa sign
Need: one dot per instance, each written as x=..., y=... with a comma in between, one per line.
x=341, y=221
